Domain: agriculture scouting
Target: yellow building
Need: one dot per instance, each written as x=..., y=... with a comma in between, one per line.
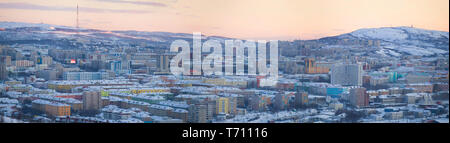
x=12, y=82
x=61, y=87
x=312, y=68
x=155, y=90
x=225, y=82
x=51, y=108
x=222, y=105
x=58, y=109
x=76, y=106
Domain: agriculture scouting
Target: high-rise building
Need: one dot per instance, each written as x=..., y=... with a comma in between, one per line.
x=44, y=60
x=233, y=101
x=92, y=100
x=197, y=113
x=358, y=97
x=312, y=68
x=126, y=61
x=347, y=74
x=222, y=105
x=259, y=102
x=393, y=77
x=211, y=107
x=281, y=101
x=7, y=60
x=301, y=99
x=3, y=71
x=201, y=111
x=116, y=66
x=226, y=105
x=163, y=63
x=47, y=60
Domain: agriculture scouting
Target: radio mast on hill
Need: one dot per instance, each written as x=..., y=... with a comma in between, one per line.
x=77, y=35
x=77, y=16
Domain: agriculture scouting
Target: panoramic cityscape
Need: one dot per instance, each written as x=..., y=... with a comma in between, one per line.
x=70, y=70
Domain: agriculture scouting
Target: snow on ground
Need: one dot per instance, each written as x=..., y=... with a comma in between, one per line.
x=388, y=53
x=20, y=24
x=393, y=53
x=387, y=33
x=413, y=50
x=431, y=33
x=263, y=117
x=5, y=119
x=413, y=41
x=439, y=51
x=381, y=52
x=442, y=120
x=397, y=33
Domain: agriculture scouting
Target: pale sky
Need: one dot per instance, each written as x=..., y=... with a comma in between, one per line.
x=246, y=19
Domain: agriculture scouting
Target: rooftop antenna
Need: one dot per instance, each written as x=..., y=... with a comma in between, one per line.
x=77, y=17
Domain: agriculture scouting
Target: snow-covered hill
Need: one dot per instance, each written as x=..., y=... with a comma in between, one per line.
x=16, y=31
x=21, y=24
x=394, y=41
x=399, y=34
x=406, y=40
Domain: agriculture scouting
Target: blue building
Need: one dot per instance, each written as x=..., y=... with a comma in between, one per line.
x=393, y=77
x=116, y=66
x=334, y=91
x=85, y=76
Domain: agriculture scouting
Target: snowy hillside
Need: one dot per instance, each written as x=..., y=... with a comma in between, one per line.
x=396, y=41
x=33, y=31
x=397, y=34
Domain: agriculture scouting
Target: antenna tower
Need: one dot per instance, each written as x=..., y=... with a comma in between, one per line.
x=77, y=16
